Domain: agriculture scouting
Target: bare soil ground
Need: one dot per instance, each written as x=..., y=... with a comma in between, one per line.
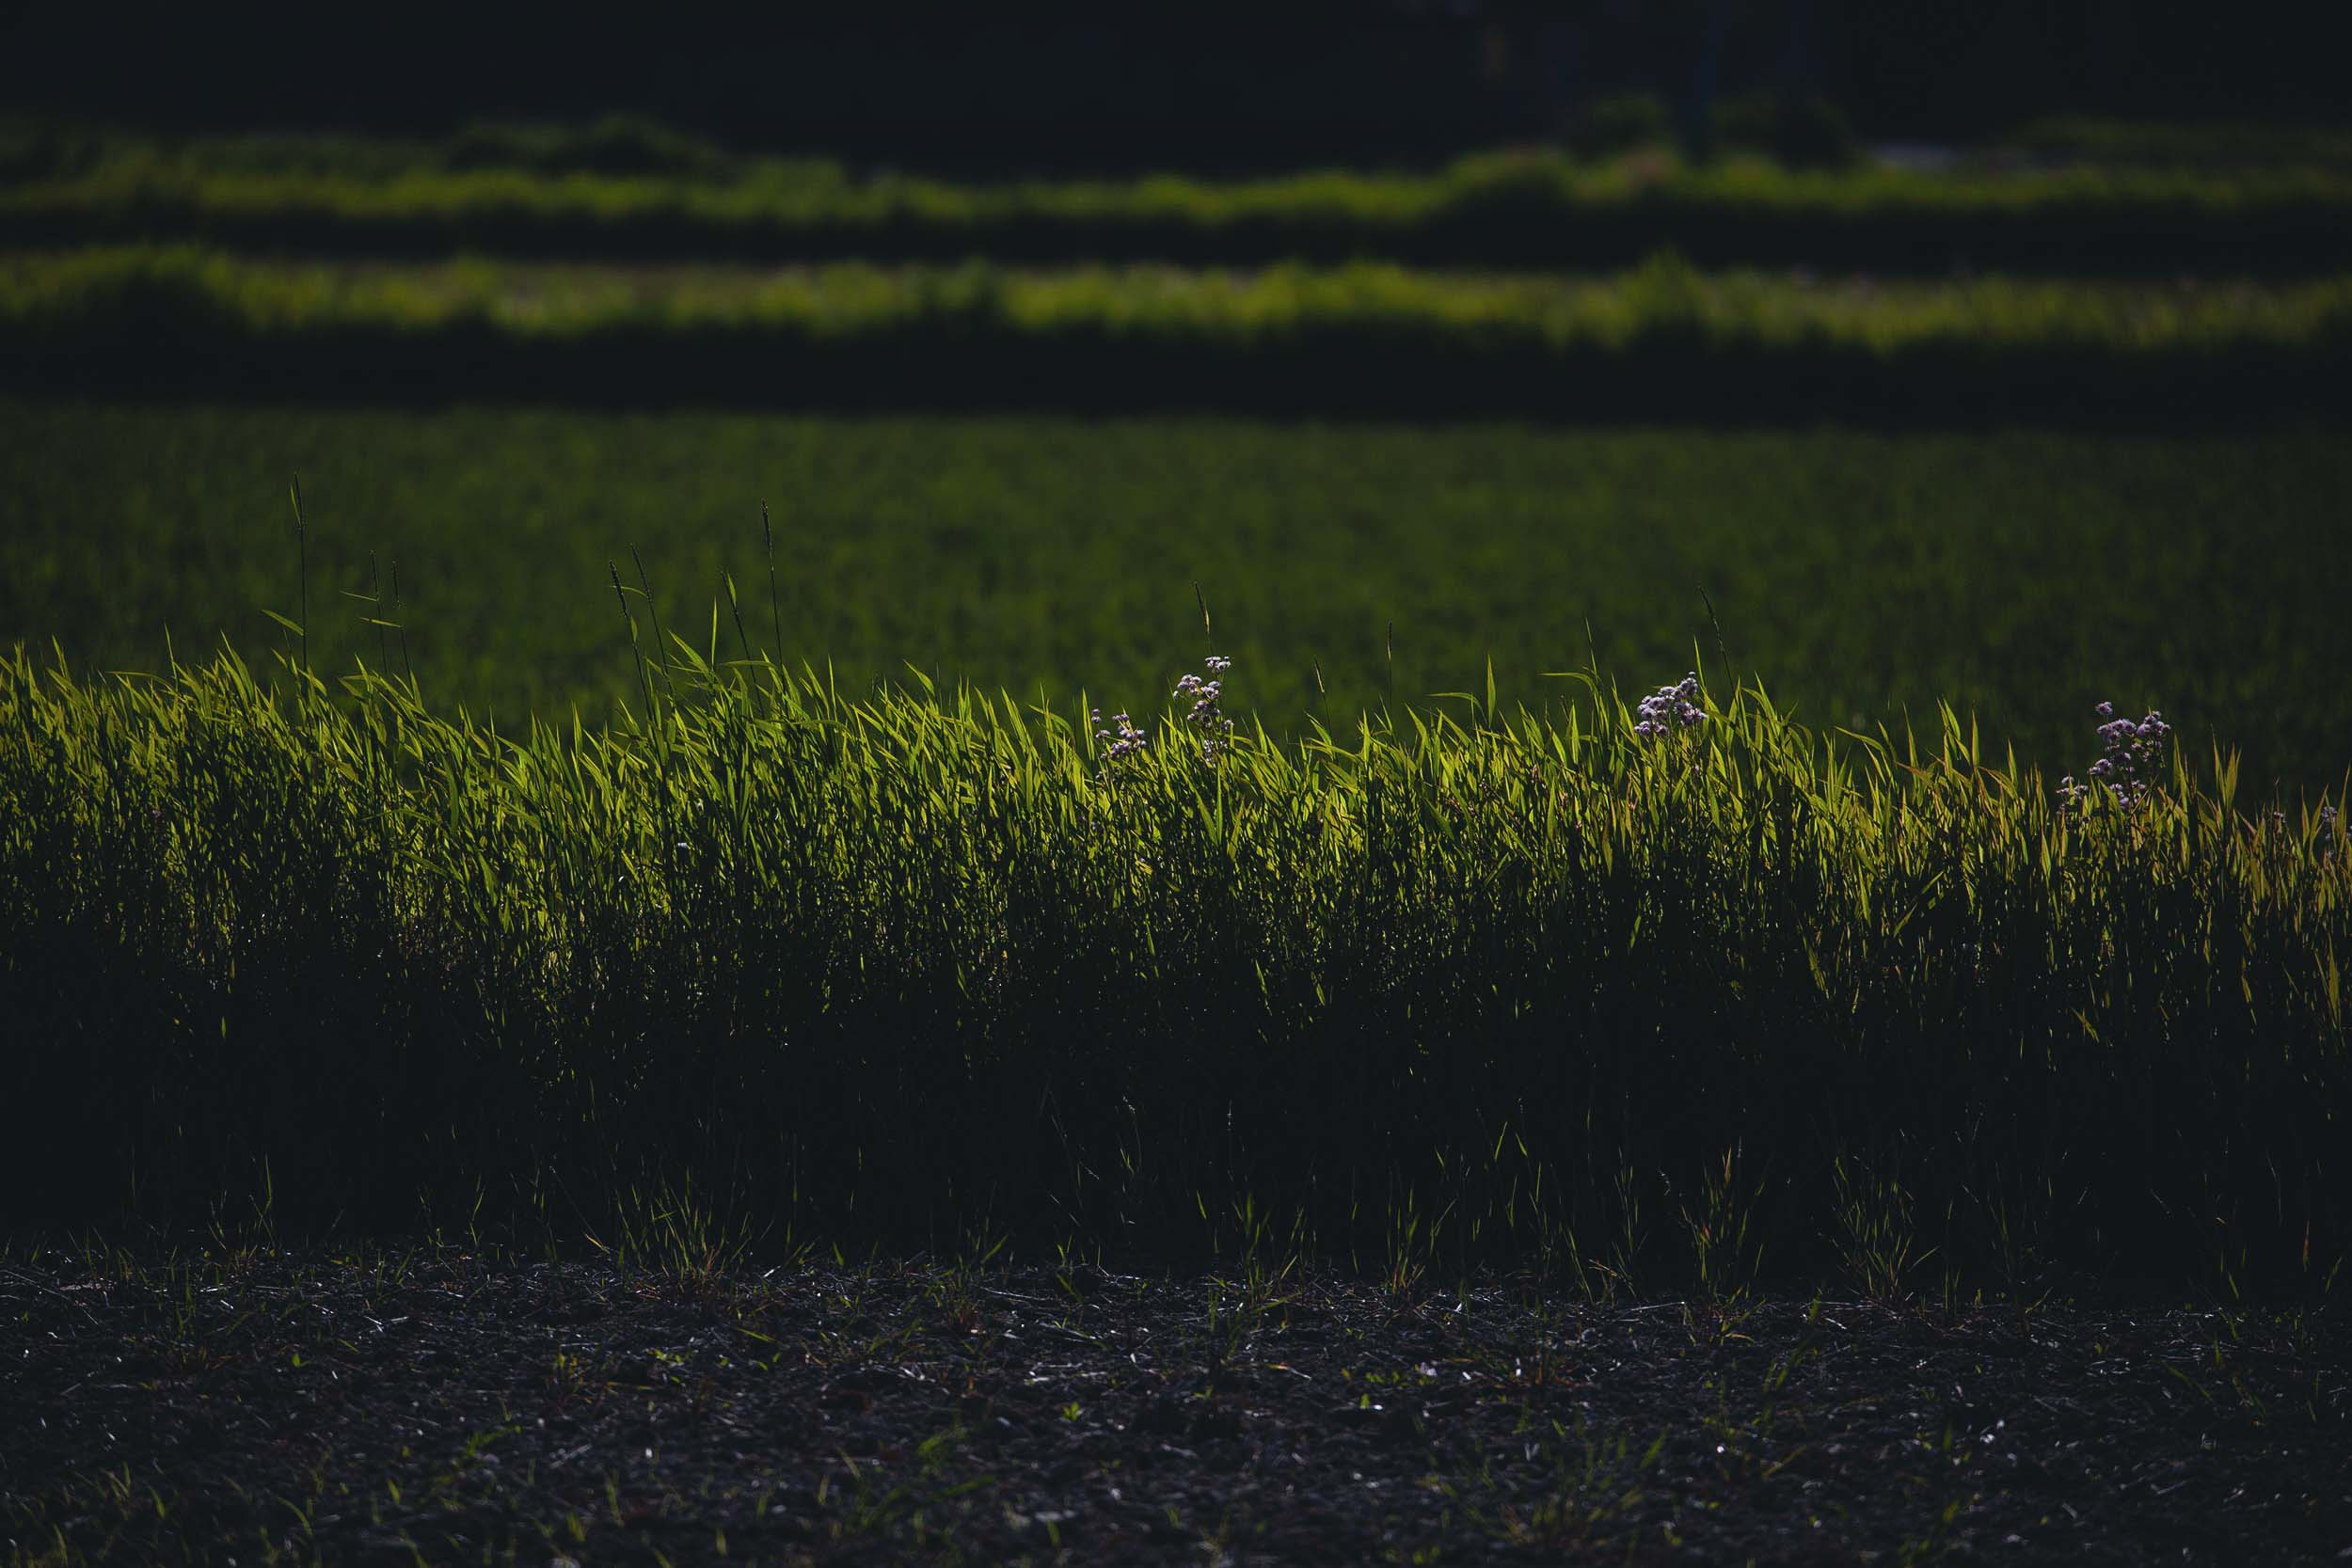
x=442, y=1407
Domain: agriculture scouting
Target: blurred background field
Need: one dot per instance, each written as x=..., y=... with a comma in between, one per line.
x=1664, y=342
x=647, y=191
x=2019, y=576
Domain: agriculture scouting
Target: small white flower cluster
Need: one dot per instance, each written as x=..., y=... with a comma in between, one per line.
x=1670, y=709
x=1215, y=731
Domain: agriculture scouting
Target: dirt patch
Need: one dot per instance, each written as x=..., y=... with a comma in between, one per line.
x=440, y=1408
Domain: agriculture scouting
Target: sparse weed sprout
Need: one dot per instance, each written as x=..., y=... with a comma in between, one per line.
x=1669, y=709
x=2131, y=753
x=1207, y=723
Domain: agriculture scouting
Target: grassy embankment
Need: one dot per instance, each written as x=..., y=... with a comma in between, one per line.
x=1665, y=340
x=666, y=196
x=1532, y=988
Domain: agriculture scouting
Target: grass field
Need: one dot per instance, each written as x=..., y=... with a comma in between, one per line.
x=895, y=969
x=2020, y=576
x=720, y=741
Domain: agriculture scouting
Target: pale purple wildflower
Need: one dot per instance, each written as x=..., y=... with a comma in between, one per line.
x=1204, y=719
x=2131, y=752
x=1670, y=709
x=1121, y=741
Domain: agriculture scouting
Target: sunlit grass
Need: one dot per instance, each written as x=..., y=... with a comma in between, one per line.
x=918, y=963
x=1664, y=302
x=350, y=192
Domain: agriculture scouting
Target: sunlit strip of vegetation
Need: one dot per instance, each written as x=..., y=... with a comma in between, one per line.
x=359, y=183
x=895, y=966
x=1664, y=301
